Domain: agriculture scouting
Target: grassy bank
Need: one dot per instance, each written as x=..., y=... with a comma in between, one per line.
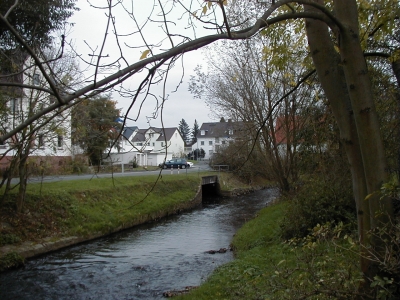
x=90, y=208
x=267, y=268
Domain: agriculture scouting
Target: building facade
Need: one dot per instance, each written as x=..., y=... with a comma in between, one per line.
x=213, y=137
x=46, y=140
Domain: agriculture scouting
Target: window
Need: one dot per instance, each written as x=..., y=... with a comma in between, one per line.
x=139, y=144
x=210, y=152
x=36, y=79
x=41, y=141
x=154, y=144
x=162, y=144
x=223, y=142
x=2, y=143
x=202, y=132
x=60, y=141
x=217, y=140
x=230, y=131
x=202, y=143
x=210, y=143
x=14, y=105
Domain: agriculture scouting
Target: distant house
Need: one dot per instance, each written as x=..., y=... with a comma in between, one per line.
x=284, y=134
x=148, y=147
x=298, y=133
x=214, y=136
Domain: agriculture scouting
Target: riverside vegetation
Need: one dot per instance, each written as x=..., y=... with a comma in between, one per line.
x=301, y=247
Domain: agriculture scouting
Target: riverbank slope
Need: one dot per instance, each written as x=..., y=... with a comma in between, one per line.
x=61, y=214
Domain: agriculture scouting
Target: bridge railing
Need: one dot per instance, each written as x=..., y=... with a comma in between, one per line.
x=220, y=168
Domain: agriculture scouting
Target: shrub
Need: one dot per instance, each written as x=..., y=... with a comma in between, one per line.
x=318, y=202
x=8, y=238
x=134, y=163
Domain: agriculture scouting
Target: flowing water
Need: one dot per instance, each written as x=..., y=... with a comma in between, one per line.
x=140, y=263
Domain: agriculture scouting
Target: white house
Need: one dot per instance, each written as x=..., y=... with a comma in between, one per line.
x=148, y=147
x=214, y=136
x=47, y=139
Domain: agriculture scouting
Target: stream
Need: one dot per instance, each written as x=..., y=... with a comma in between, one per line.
x=142, y=262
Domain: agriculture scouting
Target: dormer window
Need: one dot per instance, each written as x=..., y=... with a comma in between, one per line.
x=203, y=132
x=230, y=131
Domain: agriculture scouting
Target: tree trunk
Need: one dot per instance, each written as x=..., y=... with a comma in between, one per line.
x=347, y=86
x=366, y=118
x=327, y=63
x=396, y=71
x=23, y=178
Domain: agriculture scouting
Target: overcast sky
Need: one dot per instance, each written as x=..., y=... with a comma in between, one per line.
x=88, y=32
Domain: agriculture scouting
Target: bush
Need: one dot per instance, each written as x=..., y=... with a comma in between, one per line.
x=318, y=202
x=10, y=260
x=134, y=163
x=8, y=238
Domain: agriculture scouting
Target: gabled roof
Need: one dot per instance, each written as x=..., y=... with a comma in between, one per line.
x=139, y=136
x=221, y=129
x=169, y=132
x=128, y=131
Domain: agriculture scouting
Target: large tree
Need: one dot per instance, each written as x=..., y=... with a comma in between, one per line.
x=34, y=20
x=263, y=93
x=336, y=43
x=95, y=126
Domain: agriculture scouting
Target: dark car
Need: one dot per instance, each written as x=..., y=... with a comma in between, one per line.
x=175, y=163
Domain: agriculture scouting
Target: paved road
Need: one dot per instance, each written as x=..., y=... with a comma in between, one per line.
x=198, y=167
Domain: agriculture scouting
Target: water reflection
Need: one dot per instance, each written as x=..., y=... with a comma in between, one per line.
x=140, y=263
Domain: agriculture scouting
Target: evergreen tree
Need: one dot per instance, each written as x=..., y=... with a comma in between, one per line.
x=195, y=131
x=184, y=130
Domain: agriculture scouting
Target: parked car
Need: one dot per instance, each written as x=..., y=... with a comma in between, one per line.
x=175, y=163
x=190, y=164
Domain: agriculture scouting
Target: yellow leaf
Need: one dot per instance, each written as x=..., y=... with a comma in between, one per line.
x=204, y=9
x=144, y=54
x=225, y=2
x=368, y=196
x=209, y=4
x=336, y=48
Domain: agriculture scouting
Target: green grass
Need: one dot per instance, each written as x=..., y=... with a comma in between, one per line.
x=84, y=207
x=267, y=268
